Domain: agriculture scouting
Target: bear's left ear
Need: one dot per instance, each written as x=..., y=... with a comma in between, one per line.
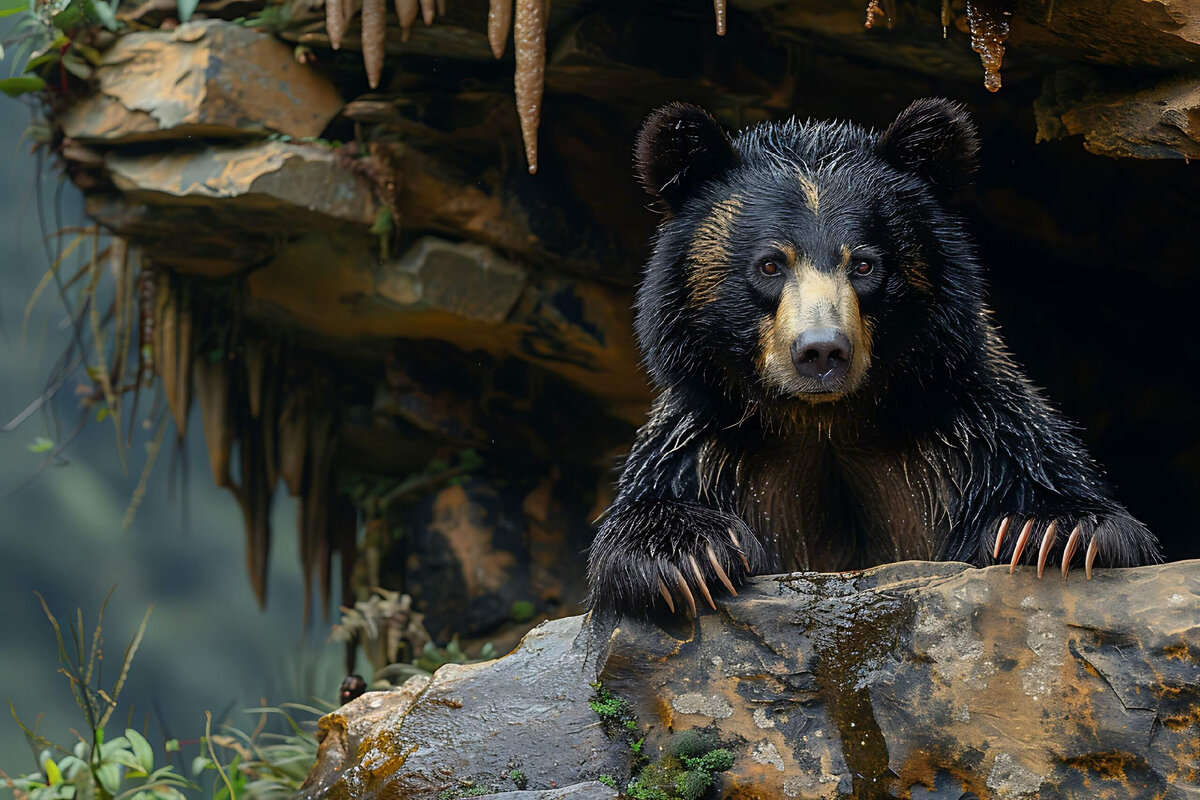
x=934, y=139
x=679, y=147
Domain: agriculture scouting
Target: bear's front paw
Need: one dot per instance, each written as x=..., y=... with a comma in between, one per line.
x=1112, y=539
x=669, y=552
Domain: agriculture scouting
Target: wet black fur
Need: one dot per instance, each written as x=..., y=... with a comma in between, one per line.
x=945, y=429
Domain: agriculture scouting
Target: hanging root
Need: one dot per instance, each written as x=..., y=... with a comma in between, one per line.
x=529, y=38
x=374, y=39
x=500, y=14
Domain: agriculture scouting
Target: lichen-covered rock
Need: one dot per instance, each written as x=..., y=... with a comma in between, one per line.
x=301, y=184
x=467, y=280
x=1159, y=121
x=205, y=78
x=471, y=726
x=462, y=294
x=916, y=680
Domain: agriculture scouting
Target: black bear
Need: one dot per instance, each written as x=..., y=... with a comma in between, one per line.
x=833, y=393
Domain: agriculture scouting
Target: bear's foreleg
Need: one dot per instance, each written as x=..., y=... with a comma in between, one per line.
x=670, y=550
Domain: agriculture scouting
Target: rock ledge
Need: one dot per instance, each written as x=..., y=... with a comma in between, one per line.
x=921, y=680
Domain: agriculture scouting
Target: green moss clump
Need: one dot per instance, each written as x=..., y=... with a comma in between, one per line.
x=686, y=770
x=607, y=780
x=460, y=792
x=518, y=778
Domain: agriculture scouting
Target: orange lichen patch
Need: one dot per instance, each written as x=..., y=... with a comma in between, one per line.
x=462, y=524
x=1109, y=766
x=1179, y=651
x=1183, y=720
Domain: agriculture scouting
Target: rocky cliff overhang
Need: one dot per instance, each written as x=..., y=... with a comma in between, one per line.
x=916, y=679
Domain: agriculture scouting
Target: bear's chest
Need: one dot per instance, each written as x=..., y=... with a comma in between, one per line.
x=833, y=506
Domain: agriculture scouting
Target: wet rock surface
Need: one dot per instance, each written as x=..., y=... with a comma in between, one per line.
x=912, y=680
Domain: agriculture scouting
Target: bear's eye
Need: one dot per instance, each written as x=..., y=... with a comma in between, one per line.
x=863, y=267
x=768, y=267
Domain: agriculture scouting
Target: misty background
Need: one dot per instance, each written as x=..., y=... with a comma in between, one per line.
x=207, y=647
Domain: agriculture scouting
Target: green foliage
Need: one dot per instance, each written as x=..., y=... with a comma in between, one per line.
x=104, y=769
x=53, y=38
x=469, y=790
x=522, y=611
x=607, y=780
x=518, y=778
x=616, y=714
x=261, y=765
x=686, y=769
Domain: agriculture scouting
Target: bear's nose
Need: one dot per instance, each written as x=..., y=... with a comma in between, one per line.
x=822, y=353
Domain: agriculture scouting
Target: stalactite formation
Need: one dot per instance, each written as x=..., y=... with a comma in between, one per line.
x=428, y=11
x=335, y=21
x=719, y=11
x=374, y=39
x=874, y=12
x=499, y=23
x=529, y=39
x=406, y=11
x=989, y=21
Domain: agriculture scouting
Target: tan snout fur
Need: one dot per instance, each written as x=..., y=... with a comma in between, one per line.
x=812, y=299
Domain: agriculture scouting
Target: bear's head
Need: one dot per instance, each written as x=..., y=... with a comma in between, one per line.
x=807, y=261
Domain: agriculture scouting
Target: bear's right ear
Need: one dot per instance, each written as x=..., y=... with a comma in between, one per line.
x=678, y=148
x=934, y=139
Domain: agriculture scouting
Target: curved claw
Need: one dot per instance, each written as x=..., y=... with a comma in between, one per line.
x=1069, y=550
x=666, y=595
x=1093, y=549
x=1020, y=548
x=700, y=582
x=1044, y=551
x=738, y=547
x=712, y=557
x=1000, y=537
x=684, y=590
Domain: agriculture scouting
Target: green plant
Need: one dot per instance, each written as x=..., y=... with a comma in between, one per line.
x=265, y=765
x=50, y=35
x=686, y=769
x=259, y=765
x=522, y=611
x=616, y=714
x=55, y=38
x=518, y=778
x=607, y=780
x=105, y=769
